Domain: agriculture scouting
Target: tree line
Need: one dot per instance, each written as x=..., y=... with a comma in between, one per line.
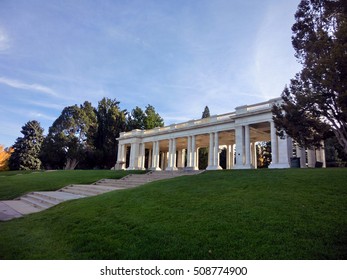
x=82, y=136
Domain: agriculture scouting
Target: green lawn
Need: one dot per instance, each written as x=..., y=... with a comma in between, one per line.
x=16, y=183
x=241, y=214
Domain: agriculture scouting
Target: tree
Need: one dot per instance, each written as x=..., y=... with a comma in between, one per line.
x=264, y=154
x=70, y=137
x=203, y=152
x=111, y=121
x=148, y=119
x=315, y=102
x=152, y=118
x=27, y=148
x=5, y=154
x=206, y=113
x=136, y=120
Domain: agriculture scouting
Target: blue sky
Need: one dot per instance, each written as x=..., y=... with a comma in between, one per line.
x=177, y=55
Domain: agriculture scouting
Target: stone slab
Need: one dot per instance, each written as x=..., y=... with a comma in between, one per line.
x=61, y=195
x=21, y=207
x=7, y=213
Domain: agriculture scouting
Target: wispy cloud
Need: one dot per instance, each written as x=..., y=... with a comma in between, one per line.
x=4, y=41
x=27, y=86
x=41, y=116
x=46, y=105
x=274, y=57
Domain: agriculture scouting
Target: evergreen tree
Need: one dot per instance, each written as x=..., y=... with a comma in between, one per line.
x=27, y=148
x=152, y=118
x=203, y=152
x=136, y=120
x=111, y=121
x=315, y=102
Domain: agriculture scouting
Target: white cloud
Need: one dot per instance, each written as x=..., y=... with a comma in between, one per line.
x=41, y=116
x=47, y=105
x=26, y=86
x=4, y=41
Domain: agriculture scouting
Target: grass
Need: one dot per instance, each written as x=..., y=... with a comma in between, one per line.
x=239, y=214
x=16, y=183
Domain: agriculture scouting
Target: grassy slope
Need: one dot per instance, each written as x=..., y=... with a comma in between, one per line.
x=245, y=214
x=15, y=184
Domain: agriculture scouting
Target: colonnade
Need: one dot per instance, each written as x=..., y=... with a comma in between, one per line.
x=240, y=154
x=177, y=146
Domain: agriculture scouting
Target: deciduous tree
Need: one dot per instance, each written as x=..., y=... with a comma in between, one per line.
x=5, y=154
x=70, y=137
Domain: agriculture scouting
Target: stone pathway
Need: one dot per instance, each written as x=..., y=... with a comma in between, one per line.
x=39, y=201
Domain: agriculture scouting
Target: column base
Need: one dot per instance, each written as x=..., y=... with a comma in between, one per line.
x=243, y=166
x=171, y=169
x=190, y=168
x=279, y=165
x=119, y=166
x=135, y=168
x=214, y=167
x=155, y=169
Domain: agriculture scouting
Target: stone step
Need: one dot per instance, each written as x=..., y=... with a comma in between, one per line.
x=118, y=184
x=72, y=190
x=58, y=196
x=106, y=188
x=35, y=202
x=21, y=207
x=43, y=199
x=88, y=188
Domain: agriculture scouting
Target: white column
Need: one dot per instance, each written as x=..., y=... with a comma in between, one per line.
x=301, y=153
x=211, y=152
x=247, y=146
x=155, y=157
x=154, y=164
x=311, y=158
x=162, y=160
x=121, y=157
x=216, y=151
x=181, y=158
x=283, y=152
x=119, y=152
x=239, y=142
x=149, y=159
x=142, y=156
x=274, y=144
x=255, y=155
x=228, y=157
x=189, y=152
x=134, y=156
x=322, y=151
x=233, y=155
x=194, y=157
x=172, y=155
x=213, y=155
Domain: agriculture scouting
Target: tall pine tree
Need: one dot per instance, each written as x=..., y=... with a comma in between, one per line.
x=27, y=148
